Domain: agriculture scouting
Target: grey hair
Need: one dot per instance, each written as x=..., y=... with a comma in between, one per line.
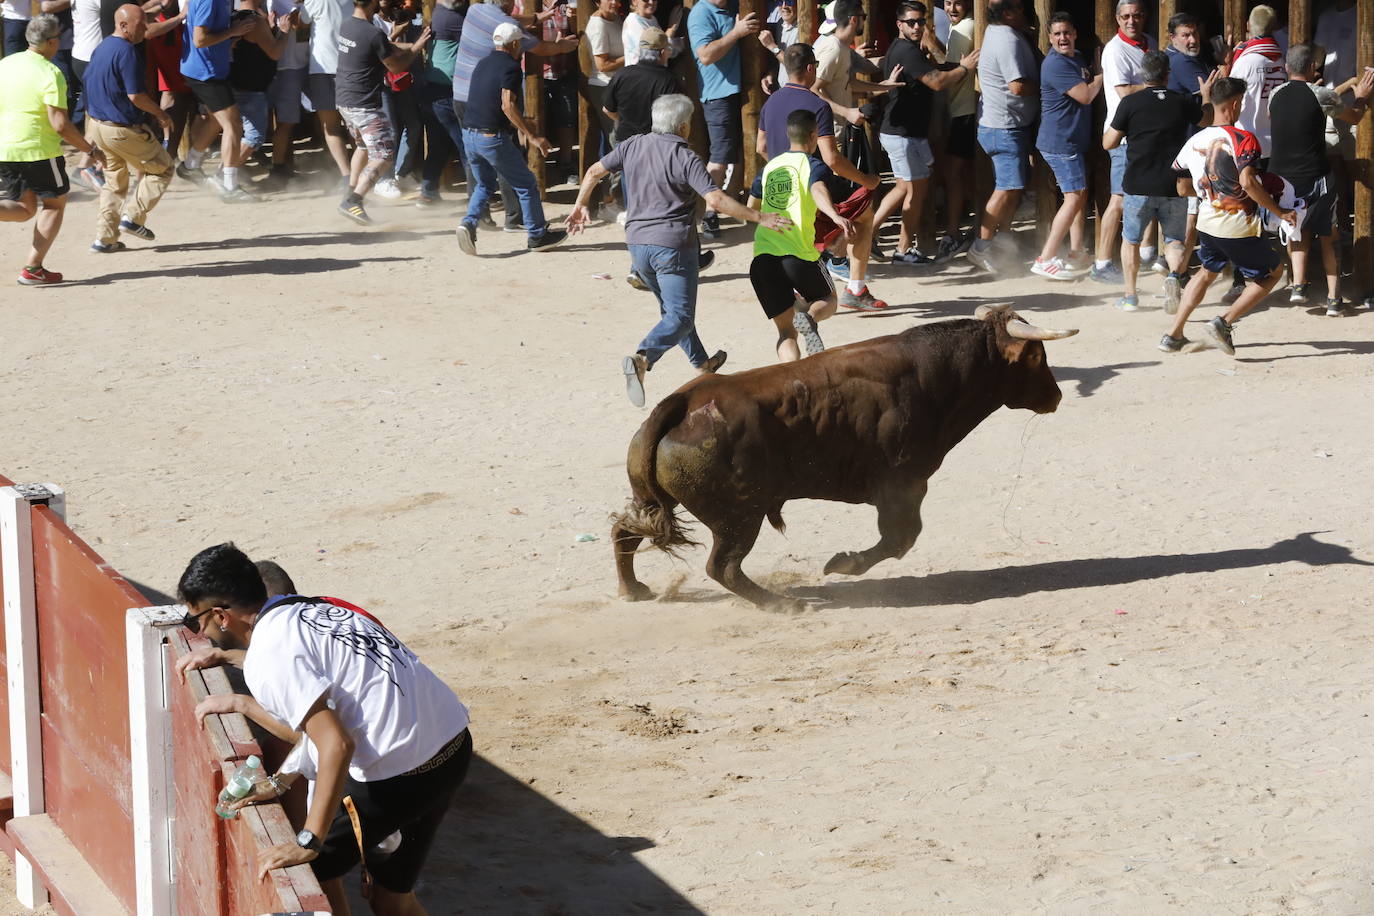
x=41, y=29
x=1121, y=3
x=1303, y=58
x=671, y=113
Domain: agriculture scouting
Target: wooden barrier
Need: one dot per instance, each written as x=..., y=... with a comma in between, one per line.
x=99, y=758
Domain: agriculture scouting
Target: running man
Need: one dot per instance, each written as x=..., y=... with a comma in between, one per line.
x=788, y=279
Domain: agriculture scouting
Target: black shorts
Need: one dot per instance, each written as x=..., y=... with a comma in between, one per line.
x=777, y=277
x=963, y=136
x=215, y=95
x=562, y=101
x=413, y=803
x=47, y=178
x=1254, y=257
x=724, y=127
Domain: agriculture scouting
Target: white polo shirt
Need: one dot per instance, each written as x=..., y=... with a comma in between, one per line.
x=1121, y=62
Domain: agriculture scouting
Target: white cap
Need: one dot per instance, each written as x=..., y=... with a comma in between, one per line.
x=829, y=24
x=504, y=34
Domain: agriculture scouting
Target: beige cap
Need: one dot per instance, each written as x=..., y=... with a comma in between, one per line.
x=653, y=39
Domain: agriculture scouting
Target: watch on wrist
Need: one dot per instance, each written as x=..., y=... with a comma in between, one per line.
x=307, y=840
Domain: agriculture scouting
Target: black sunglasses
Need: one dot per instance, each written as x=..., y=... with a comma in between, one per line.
x=192, y=621
x=912, y=22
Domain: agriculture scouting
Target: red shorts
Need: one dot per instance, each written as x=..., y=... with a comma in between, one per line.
x=164, y=59
x=853, y=205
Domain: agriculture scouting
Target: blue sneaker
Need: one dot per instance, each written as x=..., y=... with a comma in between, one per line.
x=839, y=268
x=1128, y=303
x=1110, y=274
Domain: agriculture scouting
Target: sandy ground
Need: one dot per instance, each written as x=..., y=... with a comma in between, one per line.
x=1124, y=670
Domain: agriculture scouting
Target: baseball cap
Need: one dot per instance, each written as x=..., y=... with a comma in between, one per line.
x=504, y=34
x=828, y=26
x=653, y=39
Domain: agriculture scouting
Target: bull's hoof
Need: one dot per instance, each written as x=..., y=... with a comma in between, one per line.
x=846, y=564
x=636, y=591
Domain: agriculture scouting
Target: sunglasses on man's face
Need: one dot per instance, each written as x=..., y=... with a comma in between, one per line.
x=192, y=621
x=914, y=23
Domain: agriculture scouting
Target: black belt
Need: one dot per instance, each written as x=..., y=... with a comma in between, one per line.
x=111, y=123
x=442, y=757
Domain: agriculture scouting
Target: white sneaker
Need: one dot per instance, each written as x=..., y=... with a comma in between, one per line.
x=388, y=189
x=1053, y=269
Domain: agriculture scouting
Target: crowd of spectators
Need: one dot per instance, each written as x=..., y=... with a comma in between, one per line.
x=396, y=94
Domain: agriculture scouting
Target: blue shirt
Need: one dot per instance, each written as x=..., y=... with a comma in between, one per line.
x=497, y=71
x=474, y=45
x=1065, y=125
x=114, y=73
x=705, y=24
x=790, y=98
x=1184, y=72
x=210, y=63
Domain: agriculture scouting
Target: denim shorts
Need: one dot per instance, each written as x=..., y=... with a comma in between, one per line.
x=1007, y=147
x=911, y=157
x=1118, y=157
x=1254, y=257
x=285, y=95
x=1138, y=211
x=1068, y=170
x=724, y=127
x=319, y=88
x=253, y=113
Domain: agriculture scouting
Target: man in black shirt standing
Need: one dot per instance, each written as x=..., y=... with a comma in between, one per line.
x=1154, y=123
x=365, y=56
x=630, y=95
x=1299, y=109
x=494, y=111
x=905, y=130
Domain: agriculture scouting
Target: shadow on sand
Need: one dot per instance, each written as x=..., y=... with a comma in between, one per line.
x=972, y=586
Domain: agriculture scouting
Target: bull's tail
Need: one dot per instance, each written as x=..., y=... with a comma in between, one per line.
x=651, y=512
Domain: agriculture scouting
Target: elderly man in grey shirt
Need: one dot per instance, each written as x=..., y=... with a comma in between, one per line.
x=662, y=179
x=1010, y=79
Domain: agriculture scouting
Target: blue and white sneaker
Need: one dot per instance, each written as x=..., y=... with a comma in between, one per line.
x=839, y=268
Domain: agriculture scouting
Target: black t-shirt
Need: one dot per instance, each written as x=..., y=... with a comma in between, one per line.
x=361, y=73
x=631, y=93
x=497, y=71
x=1298, y=152
x=1156, y=122
x=250, y=69
x=908, y=109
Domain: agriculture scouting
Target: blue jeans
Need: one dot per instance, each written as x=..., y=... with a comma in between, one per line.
x=404, y=112
x=253, y=114
x=15, y=42
x=495, y=158
x=1118, y=159
x=671, y=273
x=1068, y=168
x=1008, y=148
x=443, y=133
x=507, y=192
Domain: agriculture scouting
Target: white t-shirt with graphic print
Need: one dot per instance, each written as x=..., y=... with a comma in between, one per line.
x=397, y=711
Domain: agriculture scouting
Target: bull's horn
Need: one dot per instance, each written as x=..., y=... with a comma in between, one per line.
x=982, y=312
x=1023, y=331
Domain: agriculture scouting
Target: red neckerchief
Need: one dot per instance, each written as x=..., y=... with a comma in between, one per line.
x=1143, y=44
x=1266, y=47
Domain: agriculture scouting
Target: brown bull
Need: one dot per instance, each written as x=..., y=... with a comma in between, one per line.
x=864, y=423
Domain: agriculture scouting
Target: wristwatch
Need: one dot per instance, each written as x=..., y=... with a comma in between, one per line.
x=307, y=840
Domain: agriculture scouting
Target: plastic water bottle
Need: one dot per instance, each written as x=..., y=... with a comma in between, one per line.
x=240, y=785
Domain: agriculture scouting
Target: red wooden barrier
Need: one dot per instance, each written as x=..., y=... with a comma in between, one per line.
x=85, y=698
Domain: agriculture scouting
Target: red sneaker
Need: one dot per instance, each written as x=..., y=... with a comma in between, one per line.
x=38, y=276
x=863, y=300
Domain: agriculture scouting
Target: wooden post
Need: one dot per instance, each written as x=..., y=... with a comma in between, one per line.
x=1098, y=163
x=1042, y=179
x=1364, y=152
x=537, y=116
x=752, y=66
x=1167, y=8
x=588, y=129
x=1299, y=22
x=1235, y=15
x=807, y=14
x=980, y=188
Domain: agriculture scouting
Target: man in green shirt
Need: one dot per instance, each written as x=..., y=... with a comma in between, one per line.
x=33, y=124
x=786, y=273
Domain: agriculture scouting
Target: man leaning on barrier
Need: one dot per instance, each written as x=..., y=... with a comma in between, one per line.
x=380, y=729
